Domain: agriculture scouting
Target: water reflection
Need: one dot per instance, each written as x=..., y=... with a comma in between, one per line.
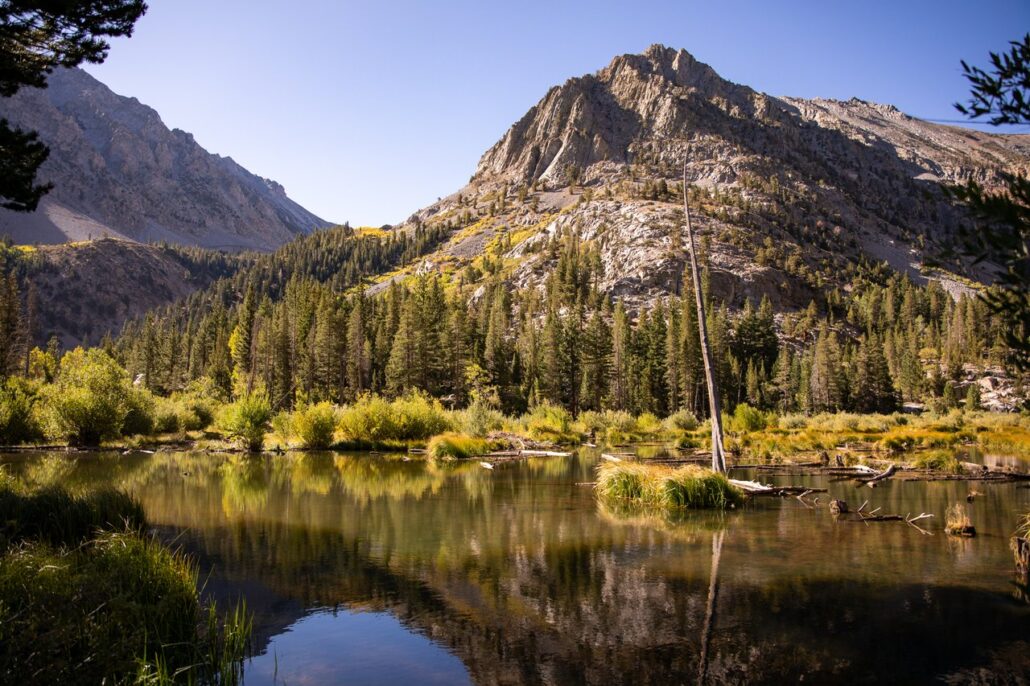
x=518, y=573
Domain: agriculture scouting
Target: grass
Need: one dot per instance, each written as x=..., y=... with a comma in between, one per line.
x=938, y=460
x=1023, y=529
x=659, y=487
x=54, y=516
x=85, y=597
x=956, y=521
x=457, y=446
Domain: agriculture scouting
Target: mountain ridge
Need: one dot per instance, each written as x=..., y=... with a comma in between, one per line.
x=120, y=171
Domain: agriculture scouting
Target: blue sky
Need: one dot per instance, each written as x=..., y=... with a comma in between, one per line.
x=366, y=111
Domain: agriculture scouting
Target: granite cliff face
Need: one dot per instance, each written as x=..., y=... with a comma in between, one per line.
x=119, y=171
x=791, y=195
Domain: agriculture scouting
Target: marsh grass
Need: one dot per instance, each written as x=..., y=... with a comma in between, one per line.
x=956, y=520
x=123, y=606
x=938, y=460
x=457, y=446
x=55, y=516
x=665, y=488
x=86, y=597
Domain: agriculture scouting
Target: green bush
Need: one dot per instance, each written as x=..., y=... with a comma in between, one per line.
x=479, y=418
x=141, y=419
x=747, y=418
x=548, y=422
x=89, y=400
x=18, y=423
x=246, y=420
x=683, y=420
x=315, y=425
x=417, y=416
x=648, y=424
x=414, y=417
x=369, y=418
x=460, y=446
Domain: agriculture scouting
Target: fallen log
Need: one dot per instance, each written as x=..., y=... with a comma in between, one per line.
x=544, y=453
x=756, y=488
x=610, y=458
x=885, y=474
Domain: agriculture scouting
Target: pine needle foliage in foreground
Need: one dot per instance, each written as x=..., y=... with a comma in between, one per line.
x=660, y=487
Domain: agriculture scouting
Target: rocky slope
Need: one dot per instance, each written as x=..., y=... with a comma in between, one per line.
x=86, y=290
x=791, y=195
x=119, y=171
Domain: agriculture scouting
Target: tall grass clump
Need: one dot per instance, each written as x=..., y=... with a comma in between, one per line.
x=109, y=611
x=315, y=425
x=938, y=460
x=957, y=522
x=655, y=486
x=246, y=420
x=55, y=516
x=456, y=446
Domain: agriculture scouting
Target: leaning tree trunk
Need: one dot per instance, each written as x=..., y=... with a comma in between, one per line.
x=718, y=453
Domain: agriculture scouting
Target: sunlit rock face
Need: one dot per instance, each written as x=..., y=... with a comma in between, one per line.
x=119, y=171
x=789, y=195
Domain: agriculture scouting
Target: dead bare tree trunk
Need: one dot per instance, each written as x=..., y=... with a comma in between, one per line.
x=718, y=452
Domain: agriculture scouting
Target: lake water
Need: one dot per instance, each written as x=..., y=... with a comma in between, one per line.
x=366, y=569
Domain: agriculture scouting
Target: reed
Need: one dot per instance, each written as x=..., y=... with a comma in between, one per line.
x=659, y=487
x=456, y=446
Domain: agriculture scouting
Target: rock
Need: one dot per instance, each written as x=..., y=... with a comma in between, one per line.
x=838, y=507
x=119, y=171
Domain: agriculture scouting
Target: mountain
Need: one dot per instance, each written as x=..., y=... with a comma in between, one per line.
x=791, y=195
x=119, y=171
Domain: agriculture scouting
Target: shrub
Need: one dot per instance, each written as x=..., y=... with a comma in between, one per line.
x=89, y=400
x=18, y=422
x=141, y=417
x=549, y=422
x=369, y=418
x=683, y=420
x=479, y=418
x=417, y=416
x=246, y=420
x=315, y=425
x=747, y=418
x=659, y=487
x=647, y=424
x=460, y=446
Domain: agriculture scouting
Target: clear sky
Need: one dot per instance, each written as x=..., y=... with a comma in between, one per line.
x=366, y=111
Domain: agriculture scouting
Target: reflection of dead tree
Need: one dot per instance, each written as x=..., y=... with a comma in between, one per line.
x=713, y=596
